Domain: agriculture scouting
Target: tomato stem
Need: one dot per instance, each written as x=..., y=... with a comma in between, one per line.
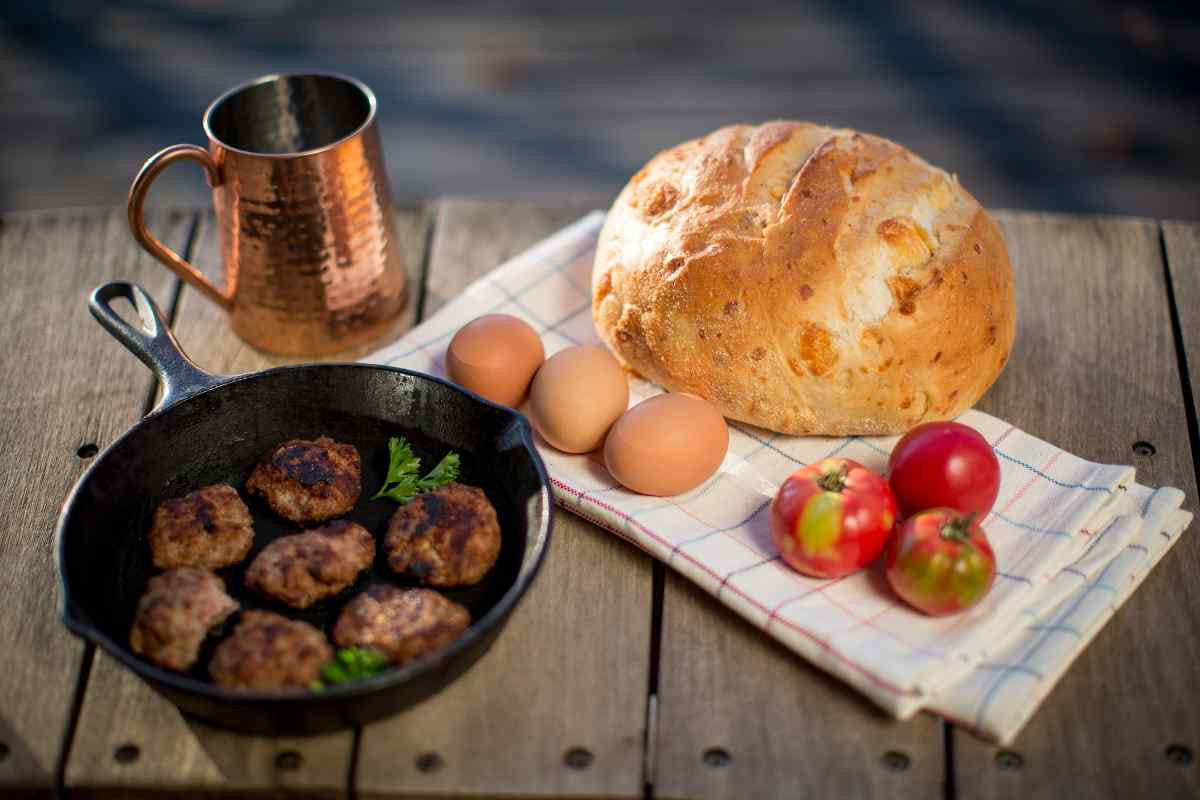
x=835, y=479
x=958, y=529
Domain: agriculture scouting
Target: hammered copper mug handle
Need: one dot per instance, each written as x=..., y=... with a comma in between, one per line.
x=137, y=218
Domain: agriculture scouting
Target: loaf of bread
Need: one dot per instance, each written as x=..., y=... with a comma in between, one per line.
x=806, y=279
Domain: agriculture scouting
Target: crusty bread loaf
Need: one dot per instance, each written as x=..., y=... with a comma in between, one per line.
x=807, y=280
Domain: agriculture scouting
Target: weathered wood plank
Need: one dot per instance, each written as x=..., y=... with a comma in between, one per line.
x=741, y=716
x=172, y=753
x=1094, y=370
x=471, y=237
x=63, y=384
x=175, y=753
x=570, y=670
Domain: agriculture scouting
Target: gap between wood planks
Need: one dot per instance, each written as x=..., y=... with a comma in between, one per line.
x=1185, y=378
x=650, y=727
x=422, y=280
x=949, y=786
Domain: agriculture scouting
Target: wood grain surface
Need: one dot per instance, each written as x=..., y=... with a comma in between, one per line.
x=739, y=716
x=119, y=709
x=174, y=753
x=570, y=670
x=1094, y=371
x=63, y=384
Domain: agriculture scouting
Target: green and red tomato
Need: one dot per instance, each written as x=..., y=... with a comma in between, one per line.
x=944, y=464
x=832, y=518
x=940, y=562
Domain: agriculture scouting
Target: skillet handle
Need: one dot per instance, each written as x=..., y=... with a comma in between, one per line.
x=153, y=342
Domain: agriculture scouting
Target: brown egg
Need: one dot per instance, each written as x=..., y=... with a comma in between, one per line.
x=576, y=396
x=495, y=356
x=667, y=444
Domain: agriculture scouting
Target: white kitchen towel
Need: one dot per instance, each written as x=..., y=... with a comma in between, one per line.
x=1054, y=509
x=1000, y=694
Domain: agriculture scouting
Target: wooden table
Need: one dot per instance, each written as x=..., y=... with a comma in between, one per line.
x=615, y=677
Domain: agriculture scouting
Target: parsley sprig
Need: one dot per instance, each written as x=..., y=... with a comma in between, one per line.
x=350, y=664
x=403, y=482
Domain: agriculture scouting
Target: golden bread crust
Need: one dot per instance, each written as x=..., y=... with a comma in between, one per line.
x=806, y=279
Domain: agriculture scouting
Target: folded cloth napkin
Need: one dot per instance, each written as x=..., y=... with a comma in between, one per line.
x=1072, y=538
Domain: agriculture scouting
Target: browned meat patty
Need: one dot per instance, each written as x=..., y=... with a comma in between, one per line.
x=301, y=569
x=209, y=528
x=308, y=481
x=268, y=651
x=176, y=612
x=403, y=624
x=447, y=537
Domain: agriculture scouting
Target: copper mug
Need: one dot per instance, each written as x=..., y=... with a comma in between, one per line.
x=308, y=243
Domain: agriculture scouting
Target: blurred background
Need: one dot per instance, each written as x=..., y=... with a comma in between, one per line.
x=1065, y=106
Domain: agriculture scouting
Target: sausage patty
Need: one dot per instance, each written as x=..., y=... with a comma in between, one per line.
x=175, y=613
x=447, y=537
x=209, y=529
x=403, y=624
x=307, y=481
x=300, y=569
x=268, y=651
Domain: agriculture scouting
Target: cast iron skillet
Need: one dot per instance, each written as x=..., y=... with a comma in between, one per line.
x=210, y=429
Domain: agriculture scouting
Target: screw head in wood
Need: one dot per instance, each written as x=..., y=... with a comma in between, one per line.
x=896, y=761
x=578, y=758
x=429, y=762
x=1007, y=759
x=127, y=754
x=716, y=757
x=1180, y=755
x=1144, y=449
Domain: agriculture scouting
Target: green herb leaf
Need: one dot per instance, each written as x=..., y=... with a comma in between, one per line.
x=402, y=465
x=402, y=492
x=350, y=664
x=403, y=483
x=445, y=473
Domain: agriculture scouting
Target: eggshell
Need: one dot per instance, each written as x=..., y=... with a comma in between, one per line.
x=495, y=356
x=576, y=396
x=667, y=444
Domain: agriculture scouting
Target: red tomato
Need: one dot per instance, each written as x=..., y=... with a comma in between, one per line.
x=832, y=518
x=944, y=464
x=940, y=561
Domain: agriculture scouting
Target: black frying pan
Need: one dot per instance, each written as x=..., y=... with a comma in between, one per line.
x=209, y=429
